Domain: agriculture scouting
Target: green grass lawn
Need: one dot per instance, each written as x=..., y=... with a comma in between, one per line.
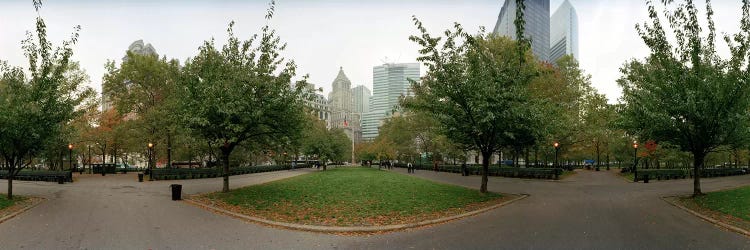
x=353, y=196
x=627, y=176
x=4, y=202
x=735, y=202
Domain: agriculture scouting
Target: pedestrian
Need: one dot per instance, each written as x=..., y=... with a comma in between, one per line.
x=464, y=171
x=294, y=164
x=409, y=168
x=434, y=166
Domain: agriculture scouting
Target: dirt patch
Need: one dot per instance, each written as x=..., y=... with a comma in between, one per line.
x=19, y=206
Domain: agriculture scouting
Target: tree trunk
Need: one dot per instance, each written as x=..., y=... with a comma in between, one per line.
x=607, y=160
x=225, y=151
x=11, y=174
x=697, y=166
x=526, y=158
x=169, y=150
x=485, y=169
x=10, y=185
x=598, y=153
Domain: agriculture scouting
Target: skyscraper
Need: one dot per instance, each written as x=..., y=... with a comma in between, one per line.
x=563, y=32
x=537, y=27
x=360, y=106
x=361, y=99
x=340, y=100
x=389, y=82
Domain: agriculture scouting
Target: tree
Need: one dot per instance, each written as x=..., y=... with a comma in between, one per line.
x=476, y=87
x=398, y=132
x=596, y=119
x=684, y=92
x=325, y=144
x=34, y=110
x=142, y=89
x=243, y=91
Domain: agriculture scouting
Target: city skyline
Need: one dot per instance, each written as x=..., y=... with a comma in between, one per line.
x=372, y=32
x=391, y=81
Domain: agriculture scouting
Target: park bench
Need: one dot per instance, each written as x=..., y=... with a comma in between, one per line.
x=37, y=175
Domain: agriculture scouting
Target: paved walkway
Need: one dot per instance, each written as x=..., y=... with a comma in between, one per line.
x=590, y=210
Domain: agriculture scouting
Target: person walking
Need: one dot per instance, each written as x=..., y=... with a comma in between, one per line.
x=464, y=171
x=409, y=168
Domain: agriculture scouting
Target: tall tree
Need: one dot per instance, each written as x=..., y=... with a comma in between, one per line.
x=476, y=87
x=242, y=91
x=34, y=109
x=684, y=92
x=142, y=90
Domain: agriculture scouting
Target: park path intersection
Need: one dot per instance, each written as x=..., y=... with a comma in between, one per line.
x=590, y=210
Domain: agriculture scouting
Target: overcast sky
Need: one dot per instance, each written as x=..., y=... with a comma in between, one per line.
x=322, y=35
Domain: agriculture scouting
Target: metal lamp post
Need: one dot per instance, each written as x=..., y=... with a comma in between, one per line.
x=150, y=159
x=284, y=158
x=70, y=157
x=635, y=161
x=557, y=148
x=90, y=169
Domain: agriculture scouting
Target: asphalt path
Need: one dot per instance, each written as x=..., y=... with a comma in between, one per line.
x=589, y=210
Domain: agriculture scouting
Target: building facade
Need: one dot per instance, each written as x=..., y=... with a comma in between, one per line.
x=537, y=28
x=361, y=99
x=360, y=106
x=563, y=32
x=319, y=105
x=390, y=81
x=340, y=101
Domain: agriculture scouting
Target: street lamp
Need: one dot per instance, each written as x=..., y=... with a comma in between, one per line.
x=90, y=169
x=635, y=161
x=284, y=158
x=150, y=159
x=557, y=148
x=70, y=157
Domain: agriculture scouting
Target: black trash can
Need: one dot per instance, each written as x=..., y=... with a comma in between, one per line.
x=60, y=180
x=140, y=177
x=176, y=192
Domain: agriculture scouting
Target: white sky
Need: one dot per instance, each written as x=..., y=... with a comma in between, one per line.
x=321, y=35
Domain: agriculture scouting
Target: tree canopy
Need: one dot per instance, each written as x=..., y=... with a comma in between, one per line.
x=34, y=110
x=684, y=92
x=241, y=91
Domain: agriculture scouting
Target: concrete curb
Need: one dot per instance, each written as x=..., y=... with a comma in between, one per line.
x=360, y=229
x=705, y=217
x=30, y=206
